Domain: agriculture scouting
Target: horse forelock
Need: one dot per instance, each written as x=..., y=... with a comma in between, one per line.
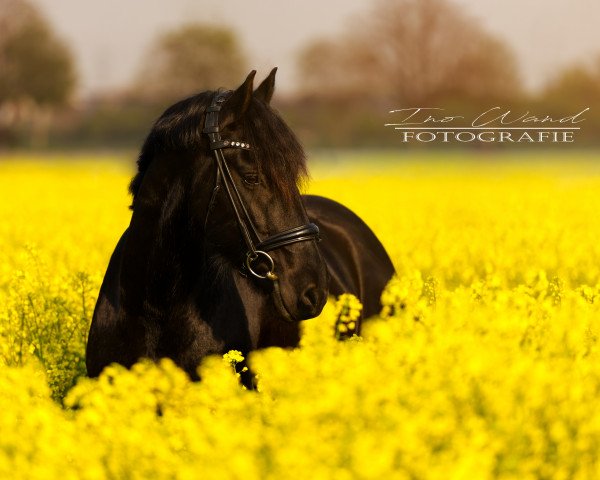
x=278, y=152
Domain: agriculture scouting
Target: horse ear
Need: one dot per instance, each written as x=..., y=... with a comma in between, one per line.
x=239, y=101
x=265, y=90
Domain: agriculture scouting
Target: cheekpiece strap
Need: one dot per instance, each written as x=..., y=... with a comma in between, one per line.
x=211, y=124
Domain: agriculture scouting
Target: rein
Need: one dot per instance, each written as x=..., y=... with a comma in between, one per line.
x=256, y=250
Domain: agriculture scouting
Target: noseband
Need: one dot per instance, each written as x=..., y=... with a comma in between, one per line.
x=257, y=250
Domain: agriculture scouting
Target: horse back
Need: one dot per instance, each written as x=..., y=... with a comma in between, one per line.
x=356, y=260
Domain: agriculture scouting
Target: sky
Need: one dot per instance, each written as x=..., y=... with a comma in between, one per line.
x=109, y=38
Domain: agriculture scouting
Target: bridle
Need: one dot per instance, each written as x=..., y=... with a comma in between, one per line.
x=256, y=250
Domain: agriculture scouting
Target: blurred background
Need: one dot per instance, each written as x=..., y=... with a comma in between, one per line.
x=95, y=75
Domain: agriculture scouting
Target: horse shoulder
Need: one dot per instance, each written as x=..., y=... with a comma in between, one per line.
x=103, y=339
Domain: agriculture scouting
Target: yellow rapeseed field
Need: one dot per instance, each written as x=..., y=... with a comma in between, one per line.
x=483, y=364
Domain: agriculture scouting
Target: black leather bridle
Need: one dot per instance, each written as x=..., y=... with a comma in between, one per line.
x=257, y=248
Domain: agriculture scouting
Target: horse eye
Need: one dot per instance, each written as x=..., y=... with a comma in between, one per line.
x=251, y=179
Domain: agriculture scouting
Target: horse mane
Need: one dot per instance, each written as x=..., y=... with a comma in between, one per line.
x=278, y=153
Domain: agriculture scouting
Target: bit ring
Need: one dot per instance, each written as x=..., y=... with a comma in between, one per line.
x=251, y=257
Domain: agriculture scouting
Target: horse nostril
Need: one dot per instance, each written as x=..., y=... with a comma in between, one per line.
x=310, y=298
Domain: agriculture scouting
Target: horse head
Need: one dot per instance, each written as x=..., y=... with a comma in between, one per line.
x=229, y=166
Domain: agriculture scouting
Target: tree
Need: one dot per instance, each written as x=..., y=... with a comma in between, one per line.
x=576, y=86
x=411, y=52
x=37, y=72
x=189, y=59
x=35, y=64
x=574, y=89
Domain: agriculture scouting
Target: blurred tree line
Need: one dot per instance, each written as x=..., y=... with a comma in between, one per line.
x=399, y=54
x=37, y=74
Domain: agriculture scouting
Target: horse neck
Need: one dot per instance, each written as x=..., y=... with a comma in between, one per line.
x=163, y=256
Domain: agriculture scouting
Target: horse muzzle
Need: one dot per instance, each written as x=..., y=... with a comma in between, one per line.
x=310, y=303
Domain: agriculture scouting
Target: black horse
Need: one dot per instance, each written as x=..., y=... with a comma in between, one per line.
x=220, y=253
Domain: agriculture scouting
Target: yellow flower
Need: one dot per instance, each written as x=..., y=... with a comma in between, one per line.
x=484, y=362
